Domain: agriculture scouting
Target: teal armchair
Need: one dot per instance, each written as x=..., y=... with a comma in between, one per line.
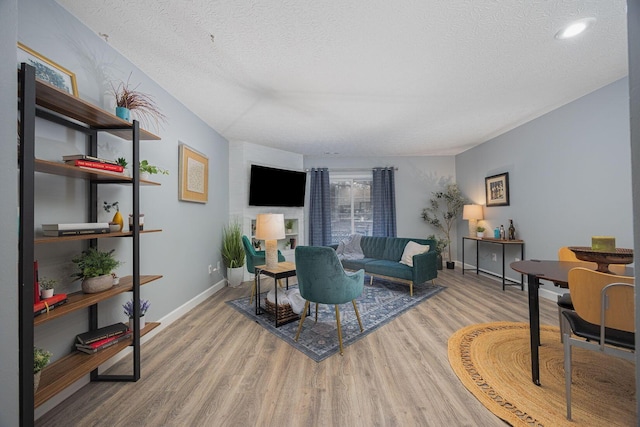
x=255, y=258
x=322, y=280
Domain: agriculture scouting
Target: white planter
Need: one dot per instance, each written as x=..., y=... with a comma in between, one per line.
x=142, y=323
x=235, y=276
x=46, y=293
x=480, y=234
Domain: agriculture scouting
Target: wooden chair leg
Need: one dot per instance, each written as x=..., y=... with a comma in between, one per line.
x=370, y=280
x=357, y=315
x=339, y=329
x=304, y=314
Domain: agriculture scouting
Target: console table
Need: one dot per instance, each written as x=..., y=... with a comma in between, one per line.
x=503, y=244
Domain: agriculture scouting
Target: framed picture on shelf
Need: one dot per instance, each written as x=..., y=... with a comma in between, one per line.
x=193, y=179
x=497, y=189
x=47, y=70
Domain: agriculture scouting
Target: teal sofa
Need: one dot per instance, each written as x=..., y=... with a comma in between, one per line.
x=382, y=256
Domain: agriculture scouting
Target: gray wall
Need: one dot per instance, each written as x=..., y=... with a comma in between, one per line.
x=191, y=235
x=8, y=221
x=416, y=178
x=569, y=175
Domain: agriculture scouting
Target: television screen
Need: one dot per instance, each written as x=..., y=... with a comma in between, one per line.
x=276, y=187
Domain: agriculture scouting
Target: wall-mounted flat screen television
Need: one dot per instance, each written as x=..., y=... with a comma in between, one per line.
x=276, y=187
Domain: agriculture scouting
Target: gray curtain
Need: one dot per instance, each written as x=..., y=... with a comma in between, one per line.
x=320, y=208
x=383, y=200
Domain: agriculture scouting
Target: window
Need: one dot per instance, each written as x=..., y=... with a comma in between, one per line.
x=350, y=206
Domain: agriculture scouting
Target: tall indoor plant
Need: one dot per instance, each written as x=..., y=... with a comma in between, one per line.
x=233, y=254
x=445, y=207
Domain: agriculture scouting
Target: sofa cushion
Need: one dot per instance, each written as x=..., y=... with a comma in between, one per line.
x=412, y=248
x=395, y=247
x=389, y=268
x=355, y=264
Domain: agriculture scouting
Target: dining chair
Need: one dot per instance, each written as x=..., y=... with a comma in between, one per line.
x=321, y=279
x=255, y=258
x=602, y=320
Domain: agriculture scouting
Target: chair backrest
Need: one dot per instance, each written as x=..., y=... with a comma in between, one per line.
x=586, y=288
x=250, y=253
x=321, y=277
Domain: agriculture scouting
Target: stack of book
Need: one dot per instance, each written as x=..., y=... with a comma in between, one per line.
x=93, y=341
x=91, y=162
x=41, y=306
x=74, y=229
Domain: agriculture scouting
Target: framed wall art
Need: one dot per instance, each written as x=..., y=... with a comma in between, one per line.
x=497, y=189
x=193, y=179
x=47, y=70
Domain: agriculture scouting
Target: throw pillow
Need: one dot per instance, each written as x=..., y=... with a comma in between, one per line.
x=412, y=248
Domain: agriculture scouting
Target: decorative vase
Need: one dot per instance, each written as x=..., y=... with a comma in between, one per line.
x=124, y=113
x=46, y=293
x=117, y=218
x=480, y=234
x=235, y=276
x=36, y=380
x=142, y=323
x=94, y=285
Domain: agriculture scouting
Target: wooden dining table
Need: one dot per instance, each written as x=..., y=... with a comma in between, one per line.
x=553, y=271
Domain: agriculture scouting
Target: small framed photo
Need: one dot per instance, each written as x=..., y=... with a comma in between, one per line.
x=497, y=189
x=194, y=175
x=47, y=70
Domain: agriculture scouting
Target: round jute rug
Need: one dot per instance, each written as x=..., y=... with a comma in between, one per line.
x=493, y=361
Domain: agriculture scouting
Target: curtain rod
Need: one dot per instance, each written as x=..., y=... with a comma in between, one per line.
x=395, y=168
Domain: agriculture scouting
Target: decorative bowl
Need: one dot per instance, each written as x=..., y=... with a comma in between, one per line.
x=603, y=258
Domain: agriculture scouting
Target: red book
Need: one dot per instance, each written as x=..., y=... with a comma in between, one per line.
x=103, y=343
x=47, y=304
x=96, y=165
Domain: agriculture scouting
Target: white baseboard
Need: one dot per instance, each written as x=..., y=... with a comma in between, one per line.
x=164, y=323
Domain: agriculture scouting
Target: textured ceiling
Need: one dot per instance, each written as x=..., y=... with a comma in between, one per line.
x=366, y=77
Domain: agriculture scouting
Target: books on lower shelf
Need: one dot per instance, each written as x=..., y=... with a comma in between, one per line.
x=48, y=304
x=75, y=229
x=96, y=346
x=89, y=337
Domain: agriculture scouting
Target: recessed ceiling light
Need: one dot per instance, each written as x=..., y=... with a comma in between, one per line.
x=575, y=28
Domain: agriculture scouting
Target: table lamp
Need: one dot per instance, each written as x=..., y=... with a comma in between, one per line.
x=270, y=228
x=473, y=213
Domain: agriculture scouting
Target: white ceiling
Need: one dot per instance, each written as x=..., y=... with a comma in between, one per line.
x=366, y=77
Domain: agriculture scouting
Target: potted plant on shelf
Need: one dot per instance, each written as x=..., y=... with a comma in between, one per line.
x=129, y=100
x=95, y=268
x=117, y=222
x=124, y=163
x=289, y=226
x=480, y=232
x=46, y=287
x=41, y=359
x=444, y=209
x=129, y=311
x=233, y=254
x=147, y=169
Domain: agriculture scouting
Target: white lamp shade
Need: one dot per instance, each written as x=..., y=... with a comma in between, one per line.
x=270, y=226
x=472, y=212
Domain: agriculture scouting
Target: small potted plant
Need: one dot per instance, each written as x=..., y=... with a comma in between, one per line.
x=123, y=162
x=147, y=169
x=46, y=287
x=130, y=100
x=480, y=232
x=289, y=226
x=41, y=359
x=95, y=268
x=129, y=311
x=117, y=222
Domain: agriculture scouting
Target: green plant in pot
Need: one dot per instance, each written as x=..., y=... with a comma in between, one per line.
x=94, y=268
x=288, y=224
x=233, y=255
x=147, y=169
x=47, y=286
x=445, y=207
x=41, y=359
x=480, y=231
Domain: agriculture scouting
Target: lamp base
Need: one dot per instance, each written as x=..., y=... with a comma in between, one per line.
x=271, y=253
x=473, y=224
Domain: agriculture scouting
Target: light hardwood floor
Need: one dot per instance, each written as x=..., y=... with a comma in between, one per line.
x=214, y=367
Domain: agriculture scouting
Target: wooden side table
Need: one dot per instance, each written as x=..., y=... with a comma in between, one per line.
x=283, y=270
x=503, y=243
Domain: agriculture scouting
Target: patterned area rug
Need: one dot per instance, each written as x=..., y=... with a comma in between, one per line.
x=378, y=305
x=493, y=361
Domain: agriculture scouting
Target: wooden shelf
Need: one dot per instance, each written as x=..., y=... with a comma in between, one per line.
x=63, y=169
x=71, y=368
x=65, y=104
x=79, y=300
x=49, y=239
